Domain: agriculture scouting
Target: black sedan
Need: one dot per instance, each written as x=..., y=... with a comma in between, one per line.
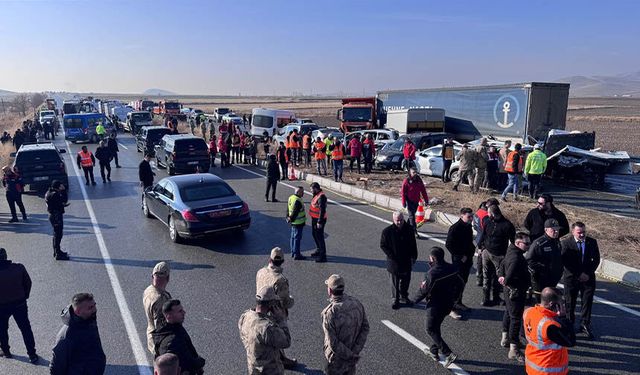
x=196, y=205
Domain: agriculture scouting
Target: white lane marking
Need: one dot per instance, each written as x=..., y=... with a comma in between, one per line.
x=346, y=207
x=615, y=305
x=123, y=146
x=136, y=345
x=422, y=346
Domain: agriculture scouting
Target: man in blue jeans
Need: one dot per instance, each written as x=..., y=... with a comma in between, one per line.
x=514, y=168
x=297, y=218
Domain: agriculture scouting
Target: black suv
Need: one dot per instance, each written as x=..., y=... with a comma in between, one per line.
x=39, y=164
x=149, y=137
x=182, y=153
x=390, y=156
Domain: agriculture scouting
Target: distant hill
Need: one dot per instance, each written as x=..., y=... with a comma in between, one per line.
x=617, y=85
x=158, y=92
x=6, y=93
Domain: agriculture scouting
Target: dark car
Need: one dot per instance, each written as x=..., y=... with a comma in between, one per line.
x=39, y=164
x=390, y=156
x=183, y=153
x=149, y=137
x=196, y=205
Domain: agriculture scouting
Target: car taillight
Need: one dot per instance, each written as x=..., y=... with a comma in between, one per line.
x=189, y=216
x=245, y=209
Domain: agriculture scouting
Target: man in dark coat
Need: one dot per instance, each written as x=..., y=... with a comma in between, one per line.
x=78, y=348
x=273, y=176
x=56, y=200
x=18, y=139
x=514, y=276
x=104, y=156
x=460, y=245
x=495, y=238
x=173, y=338
x=399, y=244
x=441, y=285
x=112, y=144
x=534, y=222
x=16, y=287
x=145, y=174
x=580, y=258
x=545, y=259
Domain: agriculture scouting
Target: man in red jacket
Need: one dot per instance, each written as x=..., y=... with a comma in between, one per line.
x=355, y=148
x=412, y=191
x=409, y=153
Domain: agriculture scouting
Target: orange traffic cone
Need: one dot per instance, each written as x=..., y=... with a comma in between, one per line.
x=292, y=173
x=420, y=215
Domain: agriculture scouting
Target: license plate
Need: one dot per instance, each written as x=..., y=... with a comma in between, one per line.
x=220, y=213
x=192, y=163
x=45, y=178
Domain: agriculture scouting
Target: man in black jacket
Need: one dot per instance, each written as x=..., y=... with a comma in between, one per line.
x=496, y=234
x=580, y=258
x=112, y=144
x=398, y=242
x=460, y=245
x=16, y=287
x=56, y=200
x=145, y=174
x=441, y=285
x=78, y=348
x=514, y=276
x=534, y=222
x=273, y=176
x=545, y=259
x=173, y=338
x=104, y=156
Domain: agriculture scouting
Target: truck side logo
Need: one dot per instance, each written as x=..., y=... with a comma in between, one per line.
x=503, y=109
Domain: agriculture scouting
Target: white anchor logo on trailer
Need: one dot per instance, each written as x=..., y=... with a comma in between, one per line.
x=506, y=104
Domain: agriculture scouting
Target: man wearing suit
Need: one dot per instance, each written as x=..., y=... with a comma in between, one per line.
x=580, y=257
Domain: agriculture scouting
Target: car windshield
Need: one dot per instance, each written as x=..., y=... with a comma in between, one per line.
x=222, y=111
x=172, y=105
x=356, y=114
x=141, y=116
x=27, y=157
x=201, y=192
x=261, y=121
x=47, y=113
x=157, y=134
x=397, y=145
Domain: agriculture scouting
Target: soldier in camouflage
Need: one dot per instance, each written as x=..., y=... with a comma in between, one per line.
x=271, y=276
x=345, y=327
x=265, y=334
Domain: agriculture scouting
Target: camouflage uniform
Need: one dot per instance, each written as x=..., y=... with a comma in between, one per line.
x=264, y=338
x=482, y=156
x=467, y=158
x=272, y=276
x=345, y=328
x=153, y=299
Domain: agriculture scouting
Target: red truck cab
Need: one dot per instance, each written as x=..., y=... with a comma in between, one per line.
x=357, y=114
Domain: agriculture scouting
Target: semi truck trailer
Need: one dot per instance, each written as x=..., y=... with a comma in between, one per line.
x=524, y=112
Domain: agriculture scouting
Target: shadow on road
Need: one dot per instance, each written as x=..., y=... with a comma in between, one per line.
x=141, y=263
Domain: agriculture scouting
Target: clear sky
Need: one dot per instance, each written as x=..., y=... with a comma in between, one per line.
x=325, y=46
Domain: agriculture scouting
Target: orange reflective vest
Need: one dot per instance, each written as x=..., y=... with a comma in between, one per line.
x=292, y=142
x=320, y=150
x=337, y=153
x=508, y=167
x=314, y=209
x=543, y=356
x=306, y=142
x=85, y=159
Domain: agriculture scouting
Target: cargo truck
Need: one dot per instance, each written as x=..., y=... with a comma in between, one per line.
x=357, y=114
x=167, y=109
x=413, y=120
x=524, y=112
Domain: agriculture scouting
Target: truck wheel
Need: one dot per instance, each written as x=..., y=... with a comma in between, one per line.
x=173, y=231
x=453, y=175
x=145, y=209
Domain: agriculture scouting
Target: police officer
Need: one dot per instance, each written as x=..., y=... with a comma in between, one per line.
x=345, y=327
x=86, y=161
x=296, y=218
x=548, y=334
x=271, y=276
x=544, y=258
x=264, y=333
x=440, y=288
x=56, y=199
x=318, y=213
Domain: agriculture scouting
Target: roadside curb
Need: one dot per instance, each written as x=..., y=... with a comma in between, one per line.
x=608, y=269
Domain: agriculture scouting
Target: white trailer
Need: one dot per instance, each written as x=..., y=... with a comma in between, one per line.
x=413, y=120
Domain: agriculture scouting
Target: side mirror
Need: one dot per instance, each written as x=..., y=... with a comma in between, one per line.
x=339, y=115
x=62, y=151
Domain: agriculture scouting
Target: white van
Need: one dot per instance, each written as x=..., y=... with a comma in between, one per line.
x=269, y=120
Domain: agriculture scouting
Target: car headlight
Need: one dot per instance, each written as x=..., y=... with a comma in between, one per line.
x=381, y=157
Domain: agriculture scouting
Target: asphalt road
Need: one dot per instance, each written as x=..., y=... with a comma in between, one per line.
x=215, y=279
